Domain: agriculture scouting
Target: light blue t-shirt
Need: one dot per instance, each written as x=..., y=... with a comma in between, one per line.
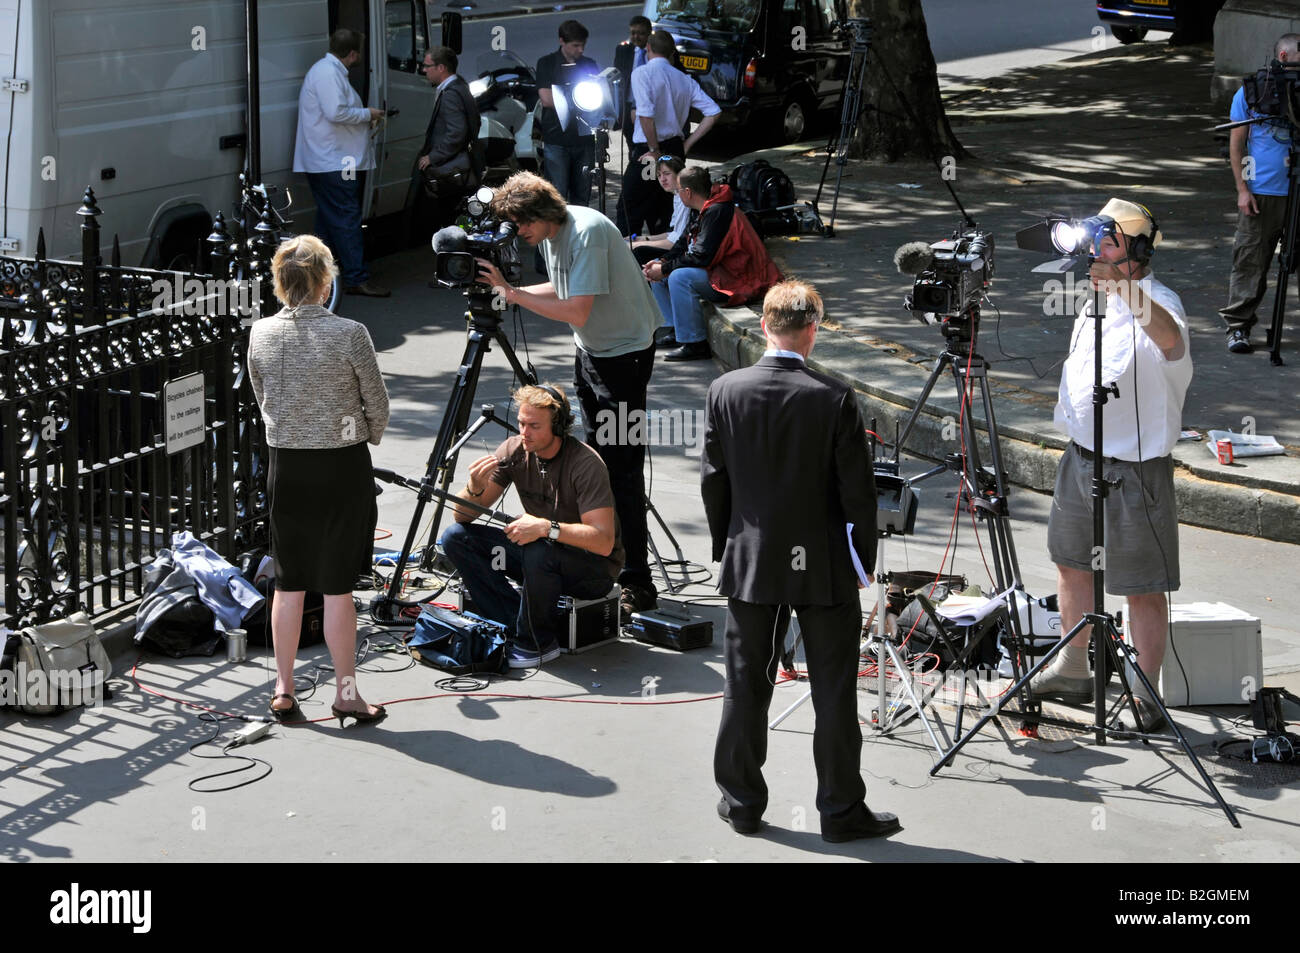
x=1269, y=143
x=588, y=256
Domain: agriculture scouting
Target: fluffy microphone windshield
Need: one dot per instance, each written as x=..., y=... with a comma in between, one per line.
x=913, y=258
x=451, y=238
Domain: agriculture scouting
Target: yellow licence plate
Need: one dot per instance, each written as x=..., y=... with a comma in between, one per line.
x=1152, y=3
x=700, y=64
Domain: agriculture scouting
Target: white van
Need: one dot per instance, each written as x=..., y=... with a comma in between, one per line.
x=144, y=101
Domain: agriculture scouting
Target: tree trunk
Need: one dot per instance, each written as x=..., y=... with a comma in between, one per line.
x=900, y=62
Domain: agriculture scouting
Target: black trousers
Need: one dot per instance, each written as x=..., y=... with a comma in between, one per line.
x=643, y=201
x=603, y=384
x=755, y=634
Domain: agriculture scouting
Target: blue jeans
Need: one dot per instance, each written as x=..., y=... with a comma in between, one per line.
x=569, y=169
x=547, y=570
x=338, y=222
x=679, y=296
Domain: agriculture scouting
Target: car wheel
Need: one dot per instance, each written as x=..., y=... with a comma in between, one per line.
x=1127, y=34
x=795, y=115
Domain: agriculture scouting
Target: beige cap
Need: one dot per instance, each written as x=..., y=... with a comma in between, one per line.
x=1133, y=219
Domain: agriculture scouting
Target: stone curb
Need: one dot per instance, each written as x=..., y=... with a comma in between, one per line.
x=1032, y=463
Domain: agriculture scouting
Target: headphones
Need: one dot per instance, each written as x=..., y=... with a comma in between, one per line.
x=561, y=416
x=1140, y=247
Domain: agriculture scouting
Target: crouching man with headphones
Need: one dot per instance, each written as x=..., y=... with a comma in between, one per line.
x=567, y=543
x=1146, y=356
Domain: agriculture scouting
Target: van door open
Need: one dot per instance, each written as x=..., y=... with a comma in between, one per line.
x=403, y=87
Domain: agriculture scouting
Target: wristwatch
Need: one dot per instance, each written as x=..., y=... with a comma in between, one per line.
x=554, y=533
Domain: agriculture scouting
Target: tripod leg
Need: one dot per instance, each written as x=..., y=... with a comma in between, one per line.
x=1114, y=636
x=1012, y=692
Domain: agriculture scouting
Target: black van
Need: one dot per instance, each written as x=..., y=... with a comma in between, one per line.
x=775, y=62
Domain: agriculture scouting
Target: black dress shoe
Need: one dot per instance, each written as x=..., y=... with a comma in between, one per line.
x=868, y=824
x=695, y=351
x=666, y=337
x=1239, y=342
x=739, y=824
x=367, y=290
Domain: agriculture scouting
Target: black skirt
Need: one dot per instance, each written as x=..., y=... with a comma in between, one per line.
x=323, y=516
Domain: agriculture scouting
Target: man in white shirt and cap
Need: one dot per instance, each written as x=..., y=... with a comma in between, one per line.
x=1146, y=355
x=332, y=148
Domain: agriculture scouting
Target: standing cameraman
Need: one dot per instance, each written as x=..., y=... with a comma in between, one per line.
x=596, y=287
x=1259, y=155
x=1145, y=354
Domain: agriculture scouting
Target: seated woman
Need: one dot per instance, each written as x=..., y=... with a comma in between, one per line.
x=322, y=399
x=649, y=248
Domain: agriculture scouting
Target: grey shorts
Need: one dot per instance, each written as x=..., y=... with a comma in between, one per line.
x=1141, y=551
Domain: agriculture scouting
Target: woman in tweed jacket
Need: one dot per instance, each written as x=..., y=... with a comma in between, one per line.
x=323, y=400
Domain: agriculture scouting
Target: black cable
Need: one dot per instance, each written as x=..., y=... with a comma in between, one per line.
x=225, y=753
x=997, y=335
x=1146, y=508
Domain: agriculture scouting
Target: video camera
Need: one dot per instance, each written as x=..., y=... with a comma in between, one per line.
x=1274, y=91
x=951, y=275
x=477, y=235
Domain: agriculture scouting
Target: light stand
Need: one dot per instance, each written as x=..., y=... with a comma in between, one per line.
x=859, y=30
x=1105, y=635
x=484, y=328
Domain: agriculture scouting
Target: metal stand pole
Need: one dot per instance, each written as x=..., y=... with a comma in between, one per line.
x=850, y=112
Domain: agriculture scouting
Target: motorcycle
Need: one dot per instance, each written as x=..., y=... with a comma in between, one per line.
x=506, y=95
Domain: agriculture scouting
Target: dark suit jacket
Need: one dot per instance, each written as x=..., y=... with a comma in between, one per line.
x=785, y=466
x=624, y=57
x=453, y=124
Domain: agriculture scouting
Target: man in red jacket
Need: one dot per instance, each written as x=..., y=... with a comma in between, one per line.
x=719, y=258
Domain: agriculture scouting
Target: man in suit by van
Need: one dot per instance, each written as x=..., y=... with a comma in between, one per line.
x=785, y=470
x=453, y=125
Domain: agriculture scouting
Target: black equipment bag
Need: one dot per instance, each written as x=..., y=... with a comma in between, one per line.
x=759, y=185
x=258, y=622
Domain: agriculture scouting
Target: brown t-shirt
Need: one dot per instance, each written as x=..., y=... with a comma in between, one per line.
x=575, y=482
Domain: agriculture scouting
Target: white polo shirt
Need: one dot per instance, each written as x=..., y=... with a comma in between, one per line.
x=333, y=125
x=1151, y=387
x=663, y=91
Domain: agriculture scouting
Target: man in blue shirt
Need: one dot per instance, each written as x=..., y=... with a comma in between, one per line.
x=568, y=156
x=1258, y=154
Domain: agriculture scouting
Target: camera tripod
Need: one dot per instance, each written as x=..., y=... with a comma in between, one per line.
x=484, y=329
x=982, y=489
x=850, y=112
x=1105, y=634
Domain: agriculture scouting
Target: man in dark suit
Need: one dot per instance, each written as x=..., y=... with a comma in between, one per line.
x=628, y=55
x=785, y=469
x=453, y=125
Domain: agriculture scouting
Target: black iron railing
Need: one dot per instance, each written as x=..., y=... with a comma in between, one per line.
x=89, y=355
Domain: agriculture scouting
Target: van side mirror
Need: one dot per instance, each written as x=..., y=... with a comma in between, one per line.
x=451, y=31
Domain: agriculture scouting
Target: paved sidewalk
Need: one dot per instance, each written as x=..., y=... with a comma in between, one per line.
x=1055, y=138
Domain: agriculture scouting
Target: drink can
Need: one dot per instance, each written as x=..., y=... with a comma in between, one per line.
x=1224, y=448
x=236, y=645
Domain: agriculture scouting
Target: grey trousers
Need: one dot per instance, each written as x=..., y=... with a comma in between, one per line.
x=1252, y=254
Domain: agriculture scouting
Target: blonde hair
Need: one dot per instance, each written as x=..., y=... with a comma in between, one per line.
x=302, y=267
x=538, y=397
x=791, y=306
